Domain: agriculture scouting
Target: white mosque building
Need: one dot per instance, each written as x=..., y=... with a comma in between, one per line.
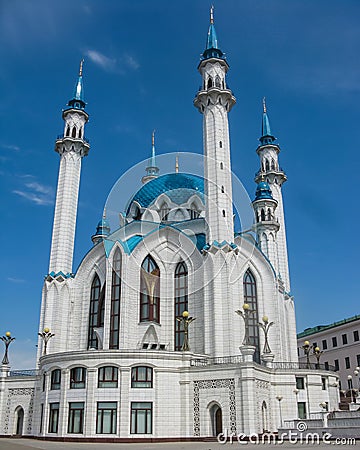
x=119, y=357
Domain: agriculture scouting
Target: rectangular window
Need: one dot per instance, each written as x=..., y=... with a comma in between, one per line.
x=324, y=344
x=77, y=377
x=44, y=382
x=344, y=339
x=141, y=417
x=326, y=363
x=76, y=417
x=55, y=379
x=356, y=336
x=106, y=417
x=336, y=364
x=300, y=383
x=323, y=383
x=108, y=377
x=347, y=363
x=302, y=410
x=141, y=377
x=358, y=360
x=54, y=417
x=334, y=341
x=41, y=417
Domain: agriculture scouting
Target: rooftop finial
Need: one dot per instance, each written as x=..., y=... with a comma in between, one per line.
x=104, y=213
x=81, y=67
x=177, y=164
x=212, y=14
x=153, y=139
x=264, y=105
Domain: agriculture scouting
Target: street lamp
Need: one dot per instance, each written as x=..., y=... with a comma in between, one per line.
x=46, y=335
x=7, y=340
x=185, y=320
x=279, y=398
x=317, y=352
x=245, y=314
x=306, y=347
x=356, y=373
x=265, y=326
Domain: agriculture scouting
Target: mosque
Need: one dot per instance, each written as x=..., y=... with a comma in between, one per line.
x=174, y=326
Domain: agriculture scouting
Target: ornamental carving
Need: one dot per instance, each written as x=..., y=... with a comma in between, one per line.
x=214, y=384
x=15, y=392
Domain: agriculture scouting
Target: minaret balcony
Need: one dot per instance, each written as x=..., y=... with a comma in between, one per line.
x=214, y=96
x=62, y=136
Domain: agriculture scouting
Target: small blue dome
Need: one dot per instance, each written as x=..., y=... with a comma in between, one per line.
x=179, y=187
x=263, y=191
x=103, y=227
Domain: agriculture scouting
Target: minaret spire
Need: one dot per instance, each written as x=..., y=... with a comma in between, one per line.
x=72, y=147
x=266, y=135
x=152, y=170
x=212, y=14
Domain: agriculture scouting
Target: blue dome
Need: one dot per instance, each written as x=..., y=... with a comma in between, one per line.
x=103, y=227
x=263, y=191
x=179, y=187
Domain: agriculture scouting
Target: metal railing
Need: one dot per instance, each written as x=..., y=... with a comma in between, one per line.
x=237, y=359
x=23, y=373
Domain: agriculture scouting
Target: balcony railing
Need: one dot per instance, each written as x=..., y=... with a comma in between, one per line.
x=61, y=136
x=237, y=359
x=23, y=373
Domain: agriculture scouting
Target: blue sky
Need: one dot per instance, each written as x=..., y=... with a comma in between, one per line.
x=140, y=73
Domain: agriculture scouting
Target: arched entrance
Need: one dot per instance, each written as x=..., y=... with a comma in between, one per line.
x=19, y=421
x=216, y=419
x=264, y=417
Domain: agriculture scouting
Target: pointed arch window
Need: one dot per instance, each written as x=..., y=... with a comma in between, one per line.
x=68, y=131
x=250, y=297
x=149, y=291
x=115, y=300
x=262, y=215
x=181, y=301
x=209, y=85
x=267, y=165
x=164, y=211
x=96, y=313
x=73, y=133
x=217, y=81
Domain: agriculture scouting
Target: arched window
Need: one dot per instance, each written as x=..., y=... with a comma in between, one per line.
x=221, y=166
x=73, y=133
x=149, y=291
x=223, y=212
x=194, y=213
x=217, y=81
x=262, y=215
x=164, y=211
x=79, y=133
x=220, y=144
x=272, y=164
x=68, y=131
x=269, y=214
x=97, y=308
x=222, y=189
x=108, y=377
x=209, y=83
x=142, y=377
x=267, y=165
x=181, y=301
x=115, y=300
x=250, y=297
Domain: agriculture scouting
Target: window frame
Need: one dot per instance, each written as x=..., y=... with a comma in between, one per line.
x=347, y=362
x=72, y=417
x=181, y=302
x=54, y=409
x=55, y=385
x=334, y=341
x=74, y=382
x=149, y=310
x=110, y=383
x=344, y=339
x=356, y=335
x=115, y=301
x=139, y=383
x=300, y=383
x=101, y=415
x=134, y=417
x=251, y=298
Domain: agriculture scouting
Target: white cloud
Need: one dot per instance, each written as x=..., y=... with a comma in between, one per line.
x=37, y=193
x=15, y=280
x=10, y=147
x=41, y=188
x=101, y=60
x=38, y=199
x=131, y=62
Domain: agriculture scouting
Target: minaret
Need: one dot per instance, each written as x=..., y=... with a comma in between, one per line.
x=270, y=170
x=266, y=225
x=102, y=230
x=214, y=101
x=152, y=171
x=72, y=147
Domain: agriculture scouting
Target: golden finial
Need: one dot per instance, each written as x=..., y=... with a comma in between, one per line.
x=264, y=105
x=153, y=138
x=177, y=164
x=212, y=14
x=81, y=67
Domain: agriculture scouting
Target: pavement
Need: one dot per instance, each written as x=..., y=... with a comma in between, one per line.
x=29, y=444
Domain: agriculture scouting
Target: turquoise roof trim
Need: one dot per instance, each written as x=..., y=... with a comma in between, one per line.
x=78, y=101
x=179, y=187
x=263, y=191
x=212, y=47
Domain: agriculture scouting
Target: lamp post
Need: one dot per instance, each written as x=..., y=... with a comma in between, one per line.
x=245, y=314
x=186, y=321
x=356, y=373
x=265, y=326
x=324, y=409
x=7, y=340
x=306, y=347
x=317, y=352
x=279, y=398
x=46, y=335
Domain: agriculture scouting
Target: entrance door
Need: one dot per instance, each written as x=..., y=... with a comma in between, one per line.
x=19, y=421
x=216, y=420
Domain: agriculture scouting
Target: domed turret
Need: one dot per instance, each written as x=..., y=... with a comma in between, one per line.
x=263, y=191
x=102, y=230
